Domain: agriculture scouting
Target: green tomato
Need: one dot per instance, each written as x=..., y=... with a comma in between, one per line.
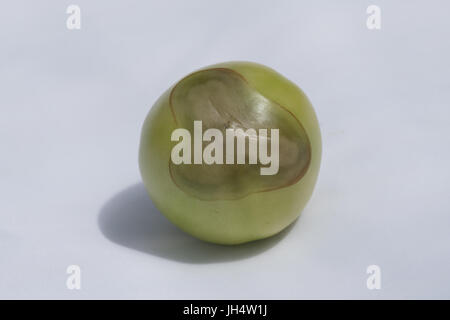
x=232, y=203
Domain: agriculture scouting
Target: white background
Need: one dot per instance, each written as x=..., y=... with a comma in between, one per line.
x=73, y=102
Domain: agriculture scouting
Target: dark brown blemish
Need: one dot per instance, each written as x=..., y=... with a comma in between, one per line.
x=227, y=124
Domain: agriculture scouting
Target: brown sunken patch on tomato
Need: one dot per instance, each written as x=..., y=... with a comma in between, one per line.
x=222, y=98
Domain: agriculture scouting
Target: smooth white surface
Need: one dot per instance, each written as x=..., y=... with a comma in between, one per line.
x=72, y=104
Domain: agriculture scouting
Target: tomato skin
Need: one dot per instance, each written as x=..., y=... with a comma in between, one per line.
x=254, y=216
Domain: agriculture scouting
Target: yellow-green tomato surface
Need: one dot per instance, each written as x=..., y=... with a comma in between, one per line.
x=232, y=203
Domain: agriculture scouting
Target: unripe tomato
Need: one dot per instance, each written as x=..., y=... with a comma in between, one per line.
x=223, y=193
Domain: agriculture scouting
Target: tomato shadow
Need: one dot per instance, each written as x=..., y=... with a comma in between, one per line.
x=131, y=220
